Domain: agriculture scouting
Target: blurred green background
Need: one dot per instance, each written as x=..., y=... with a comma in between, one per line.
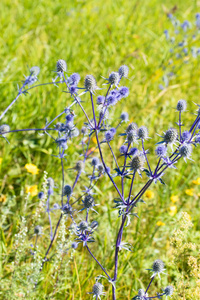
x=96, y=37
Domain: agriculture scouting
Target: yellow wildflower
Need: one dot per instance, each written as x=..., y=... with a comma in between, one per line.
x=149, y=194
x=2, y=198
x=31, y=168
x=197, y=182
x=1, y=160
x=189, y=192
x=33, y=190
x=172, y=210
x=160, y=223
x=174, y=198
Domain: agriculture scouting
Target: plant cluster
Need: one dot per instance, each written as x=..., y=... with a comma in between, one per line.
x=132, y=160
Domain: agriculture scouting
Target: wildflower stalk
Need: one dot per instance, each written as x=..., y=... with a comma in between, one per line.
x=98, y=262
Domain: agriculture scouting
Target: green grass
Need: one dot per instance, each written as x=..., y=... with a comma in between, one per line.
x=94, y=37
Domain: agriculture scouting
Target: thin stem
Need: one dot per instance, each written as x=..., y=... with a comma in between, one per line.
x=93, y=111
x=129, y=196
x=113, y=155
x=28, y=129
x=98, y=262
x=63, y=177
x=50, y=245
x=180, y=125
x=77, y=100
x=149, y=284
x=146, y=156
x=102, y=159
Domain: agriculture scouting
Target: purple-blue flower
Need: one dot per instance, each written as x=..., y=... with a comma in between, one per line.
x=124, y=91
x=100, y=100
x=74, y=79
x=161, y=151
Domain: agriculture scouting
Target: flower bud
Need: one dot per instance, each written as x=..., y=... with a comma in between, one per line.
x=61, y=66
x=67, y=190
x=90, y=83
x=123, y=71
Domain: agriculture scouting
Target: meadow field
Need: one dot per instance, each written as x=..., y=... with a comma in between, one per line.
x=97, y=37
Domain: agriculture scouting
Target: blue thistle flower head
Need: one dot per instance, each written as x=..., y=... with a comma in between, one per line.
x=142, y=133
x=124, y=91
x=124, y=117
x=74, y=245
x=109, y=136
x=133, y=151
x=161, y=151
x=100, y=100
x=95, y=161
x=74, y=79
x=123, y=71
x=61, y=66
x=123, y=149
x=114, y=78
x=169, y=290
x=73, y=89
x=69, y=118
x=40, y=195
x=111, y=100
x=186, y=135
x=113, y=130
x=181, y=105
x=185, y=150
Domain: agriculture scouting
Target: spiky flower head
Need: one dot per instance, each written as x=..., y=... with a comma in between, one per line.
x=95, y=161
x=67, y=190
x=181, y=105
x=4, y=128
x=100, y=100
x=141, y=295
x=114, y=78
x=100, y=168
x=123, y=149
x=137, y=162
x=109, y=136
x=83, y=225
x=74, y=79
x=50, y=182
x=158, y=267
x=103, y=113
x=142, y=133
x=123, y=71
x=124, y=116
x=97, y=289
x=185, y=150
x=88, y=201
x=35, y=71
x=90, y=83
x=186, y=135
x=123, y=91
x=131, y=127
x=94, y=224
x=84, y=130
x=79, y=167
x=74, y=245
x=40, y=195
x=67, y=209
x=170, y=136
x=161, y=150
x=131, y=136
x=169, y=290
x=38, y=230
x=61, y=66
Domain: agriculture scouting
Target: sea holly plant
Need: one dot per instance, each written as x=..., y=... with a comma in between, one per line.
x=131, y=160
